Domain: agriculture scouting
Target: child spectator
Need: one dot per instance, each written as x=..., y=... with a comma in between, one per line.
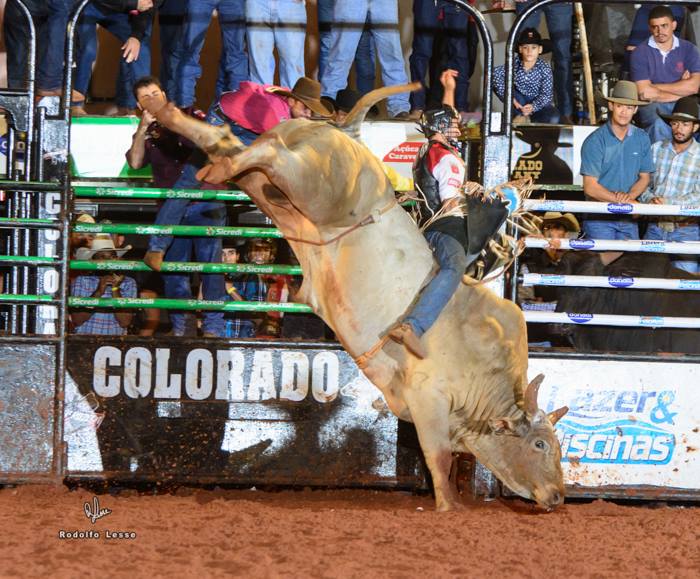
x=109, y=285
x=248, y=287
x=533, y=87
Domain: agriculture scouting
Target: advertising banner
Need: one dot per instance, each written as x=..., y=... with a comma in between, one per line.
x=281, y=415
x=629, y=423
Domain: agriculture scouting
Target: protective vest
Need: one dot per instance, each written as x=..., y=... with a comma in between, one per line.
x=423, y=179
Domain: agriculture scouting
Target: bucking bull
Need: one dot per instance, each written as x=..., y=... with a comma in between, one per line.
x=364, y=262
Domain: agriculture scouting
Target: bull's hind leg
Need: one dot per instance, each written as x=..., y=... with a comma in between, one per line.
x=430, y=414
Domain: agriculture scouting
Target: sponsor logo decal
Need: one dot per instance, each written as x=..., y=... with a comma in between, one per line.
x=629, y=427
x=552, y=279
x=580, y=318
x=689, y=283
x=619, y=208
x=653, y=321
x=653, y=245
x=581, y=243
x=404, y=153
x=620, y=281
x=690, y=210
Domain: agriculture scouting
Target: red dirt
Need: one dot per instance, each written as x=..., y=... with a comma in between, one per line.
x=319, y=534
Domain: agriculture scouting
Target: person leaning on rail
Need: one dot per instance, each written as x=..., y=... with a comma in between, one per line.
x=616, y=164
x=677, y=179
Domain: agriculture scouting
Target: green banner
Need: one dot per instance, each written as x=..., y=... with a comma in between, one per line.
x=147, y=193
x=178, y=230
x=173, y=304
x=187, y=267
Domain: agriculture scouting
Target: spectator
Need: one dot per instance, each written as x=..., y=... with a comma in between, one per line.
x=616, y=163
x=248, y=287
x=665, y=69
x=366, y=54
x=532, y=94
x=108, y=285
x=559, y=18
x=433, y=18
x=555, y=226
x=640, y=28
x=174, y=169
x=277, y=25
x=166, y=151
x=233, y=68
x=348, y=23
x=677, y=179
x=131, y=23
x=50, y=18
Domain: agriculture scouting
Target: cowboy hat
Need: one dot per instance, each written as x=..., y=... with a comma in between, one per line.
x=685, y=109
x=100, y=243
x=307, y=91
x=539, y=135
x=566, y=220
x=531, y=36
x=624, y=93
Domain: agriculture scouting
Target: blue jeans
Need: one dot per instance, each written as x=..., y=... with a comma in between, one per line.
x=277, y=24
x=548, y=114
x=50, y=18
x=117, y=23
x=204, y=249
x=348, y=24
x=171, y=19
x=365, y=57
x=691, y=232
x=653, y=124
x=610, y=229
x=234, y=62
x=559, y=25
x=452, y=260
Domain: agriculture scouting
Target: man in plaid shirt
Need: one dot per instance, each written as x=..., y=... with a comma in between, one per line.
x=677, y=179
x=110, y=285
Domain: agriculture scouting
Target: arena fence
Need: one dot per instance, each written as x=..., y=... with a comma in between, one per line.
x=206, y=410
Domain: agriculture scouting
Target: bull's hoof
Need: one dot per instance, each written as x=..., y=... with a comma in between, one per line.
x=444, y=506
x=154, y=259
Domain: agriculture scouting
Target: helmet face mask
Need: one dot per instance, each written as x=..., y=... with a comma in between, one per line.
x=439, y=121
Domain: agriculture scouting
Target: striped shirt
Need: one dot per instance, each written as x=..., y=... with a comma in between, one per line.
x=101, y=323
x=677, y=178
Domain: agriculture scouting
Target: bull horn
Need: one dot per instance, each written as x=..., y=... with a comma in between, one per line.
x=351, y=123
x=556, y=415
x=531, y=394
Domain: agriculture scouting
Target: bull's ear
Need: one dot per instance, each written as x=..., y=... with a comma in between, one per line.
x=507, y=425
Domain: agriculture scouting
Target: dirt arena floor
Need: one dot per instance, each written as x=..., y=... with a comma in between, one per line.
x=318, y=534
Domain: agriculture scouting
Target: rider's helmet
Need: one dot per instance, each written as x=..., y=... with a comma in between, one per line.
x=438, y=121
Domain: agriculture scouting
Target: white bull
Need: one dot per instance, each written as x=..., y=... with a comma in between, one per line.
x=364, y=263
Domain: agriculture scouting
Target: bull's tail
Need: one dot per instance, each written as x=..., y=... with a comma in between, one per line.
x=351, y=124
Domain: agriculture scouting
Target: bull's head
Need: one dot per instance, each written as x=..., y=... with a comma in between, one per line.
x=530, y=452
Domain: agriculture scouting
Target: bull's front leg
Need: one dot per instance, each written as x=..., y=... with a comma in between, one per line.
x=430, y=414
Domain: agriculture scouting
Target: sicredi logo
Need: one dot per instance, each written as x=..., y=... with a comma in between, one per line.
x=651, y=321
x=689, y=284
x=690, y=210
x=580, y=318
x=553, y=206
x=619, y=208
x=581, y=244
x=620, y=281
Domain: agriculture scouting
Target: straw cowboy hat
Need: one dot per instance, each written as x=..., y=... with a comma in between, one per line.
x=624, y=93
x=100, y=243
x=685, y=109
x=566, y=220
x=307, y=91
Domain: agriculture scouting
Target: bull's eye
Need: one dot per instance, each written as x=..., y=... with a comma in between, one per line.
x=540, y=445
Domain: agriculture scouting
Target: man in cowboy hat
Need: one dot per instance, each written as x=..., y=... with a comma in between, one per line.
x=616, y=163
x=665, y=69
x=108, y=285
x=677, y=178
